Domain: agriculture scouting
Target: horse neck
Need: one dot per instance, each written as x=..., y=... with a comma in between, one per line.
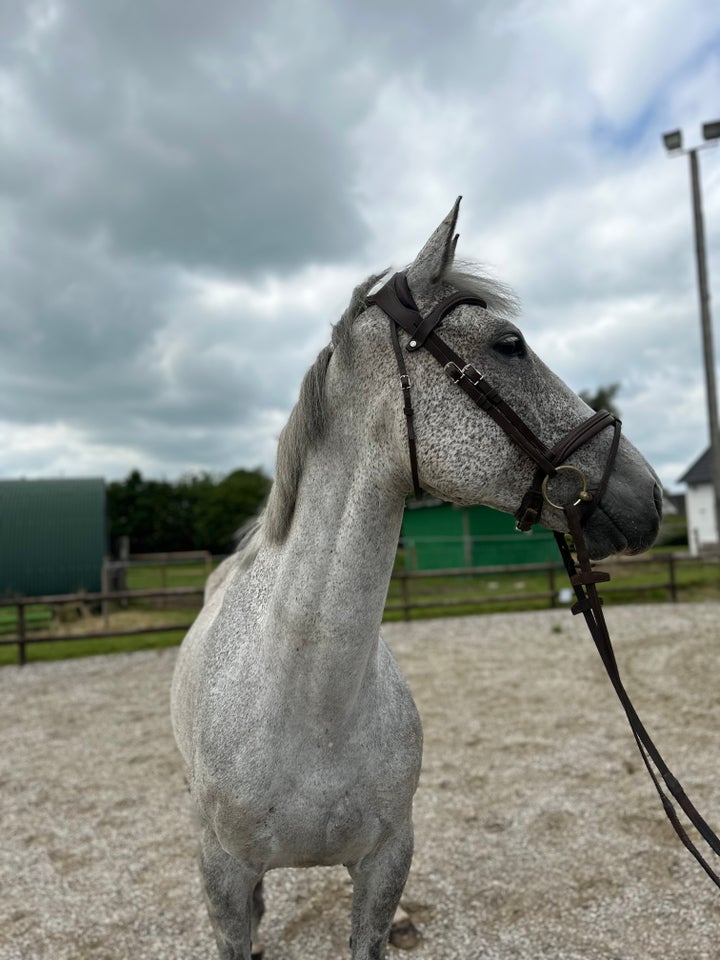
x=333, y=570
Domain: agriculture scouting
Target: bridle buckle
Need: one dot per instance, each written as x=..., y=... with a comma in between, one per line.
x=453, y=371
x=468, y=372
x=474, y=376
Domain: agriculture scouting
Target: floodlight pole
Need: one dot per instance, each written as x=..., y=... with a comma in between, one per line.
x=674, y=144
x=707, y=334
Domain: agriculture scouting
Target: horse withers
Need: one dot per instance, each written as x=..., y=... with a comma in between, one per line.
x=300, y=739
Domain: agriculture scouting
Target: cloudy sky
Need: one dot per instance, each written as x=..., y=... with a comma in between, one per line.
x=190, y=190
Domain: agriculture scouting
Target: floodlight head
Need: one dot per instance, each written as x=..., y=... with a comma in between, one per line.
x=711, y=131
x=673, y=140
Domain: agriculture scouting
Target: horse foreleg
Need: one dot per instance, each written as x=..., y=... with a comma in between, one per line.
x=233, y=895
x=378, y=883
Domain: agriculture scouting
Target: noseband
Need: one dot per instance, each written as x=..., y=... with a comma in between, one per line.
x=395, y=299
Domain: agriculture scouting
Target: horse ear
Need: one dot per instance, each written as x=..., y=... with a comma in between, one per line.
x=438, y=252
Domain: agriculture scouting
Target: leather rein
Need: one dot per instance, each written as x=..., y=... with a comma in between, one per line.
x=395, y=299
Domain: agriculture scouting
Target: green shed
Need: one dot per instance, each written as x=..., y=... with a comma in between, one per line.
x=52, y=536
x=440, y=536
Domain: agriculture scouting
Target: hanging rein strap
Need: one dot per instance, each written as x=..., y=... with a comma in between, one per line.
x=407, y=409
x=396, y=300
x=584, y=581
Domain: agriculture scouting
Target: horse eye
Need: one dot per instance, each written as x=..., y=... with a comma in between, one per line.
x=511, y=345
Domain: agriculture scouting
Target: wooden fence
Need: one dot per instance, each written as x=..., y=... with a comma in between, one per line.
x=115, y=572
x=22, y=637
x=552, y=595
x=555, y=594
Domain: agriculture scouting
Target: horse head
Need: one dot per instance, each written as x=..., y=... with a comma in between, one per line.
x=468, y=455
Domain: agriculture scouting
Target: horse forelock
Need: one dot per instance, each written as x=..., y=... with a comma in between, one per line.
x=466, y=276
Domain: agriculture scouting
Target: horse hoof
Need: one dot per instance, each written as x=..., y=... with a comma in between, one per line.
x=404, y=935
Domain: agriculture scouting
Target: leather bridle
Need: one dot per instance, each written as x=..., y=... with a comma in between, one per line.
x=395, y=299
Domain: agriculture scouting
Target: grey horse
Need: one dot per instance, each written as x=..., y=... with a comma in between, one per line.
x=300, y=739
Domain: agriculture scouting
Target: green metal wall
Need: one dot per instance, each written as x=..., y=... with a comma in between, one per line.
x=441, y=537
x=52, y=536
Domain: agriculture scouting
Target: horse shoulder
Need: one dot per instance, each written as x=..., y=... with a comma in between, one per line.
x=209, y=651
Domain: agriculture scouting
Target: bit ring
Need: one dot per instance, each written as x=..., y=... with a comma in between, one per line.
x=583, y=497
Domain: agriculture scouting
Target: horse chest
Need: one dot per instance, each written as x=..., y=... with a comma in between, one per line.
x=313, y=811
x=295, y=793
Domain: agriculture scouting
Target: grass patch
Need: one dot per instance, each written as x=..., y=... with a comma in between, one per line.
x=153, y=576
x=65, y=649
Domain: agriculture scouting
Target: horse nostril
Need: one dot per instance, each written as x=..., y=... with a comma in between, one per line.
x=658, y=498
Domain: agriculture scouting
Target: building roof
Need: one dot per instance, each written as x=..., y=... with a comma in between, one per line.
x=699, y=472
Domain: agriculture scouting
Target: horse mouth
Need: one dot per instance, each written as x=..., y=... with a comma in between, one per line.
x=608, y=534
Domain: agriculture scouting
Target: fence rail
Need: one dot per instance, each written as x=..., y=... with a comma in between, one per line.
x=21, y=638
x=408, y=601
x=551, y=595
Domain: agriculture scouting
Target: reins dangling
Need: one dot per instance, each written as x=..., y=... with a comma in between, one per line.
x=584, y=581
x=396, y=300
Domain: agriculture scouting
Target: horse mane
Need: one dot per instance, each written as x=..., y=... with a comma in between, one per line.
x=304, y=428
x=307, y=421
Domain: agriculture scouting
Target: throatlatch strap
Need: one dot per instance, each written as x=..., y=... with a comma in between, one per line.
x=407, y=409
x=584, y=579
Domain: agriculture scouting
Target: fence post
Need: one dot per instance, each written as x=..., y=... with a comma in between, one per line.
x=404, y=588
x=673, y=581
x=162, y=603
x=22, y=659
x=551, y=580
x=105, y=588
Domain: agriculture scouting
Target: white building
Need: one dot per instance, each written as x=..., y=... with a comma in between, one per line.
x=700, y=505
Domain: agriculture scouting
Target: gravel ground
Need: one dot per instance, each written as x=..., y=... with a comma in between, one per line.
x=538, y=833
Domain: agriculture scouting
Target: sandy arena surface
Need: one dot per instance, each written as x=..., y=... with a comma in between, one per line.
x=538, y=832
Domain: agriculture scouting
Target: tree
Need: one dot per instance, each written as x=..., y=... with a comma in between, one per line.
x=226, y=506
x=198, y=512
x=603, y=398
x=144, y=511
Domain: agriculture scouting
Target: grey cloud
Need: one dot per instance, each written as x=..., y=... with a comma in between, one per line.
x=143, y=144
x=271, y=194
x=70, y=311
x=116, y=349
x=167, y=159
